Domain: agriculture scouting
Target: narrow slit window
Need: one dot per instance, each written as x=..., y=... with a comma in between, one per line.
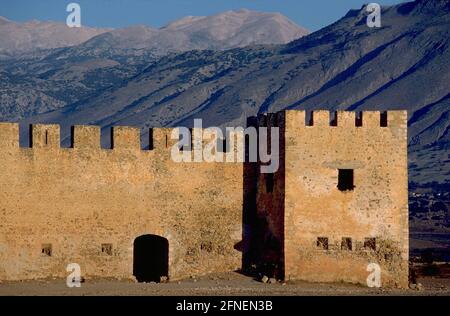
x=346, y=180
x=247, y=148
x=46, y=137
x=111, y=138
x=46, y=250
x=346, y=243
x=322, y=243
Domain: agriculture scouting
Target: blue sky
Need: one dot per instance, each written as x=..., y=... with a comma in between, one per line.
x=312, y=14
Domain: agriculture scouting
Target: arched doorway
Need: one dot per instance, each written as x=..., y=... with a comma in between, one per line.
x=150, y=258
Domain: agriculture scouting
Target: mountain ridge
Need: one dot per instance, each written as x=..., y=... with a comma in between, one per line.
x=221, y=31
x=38, y=35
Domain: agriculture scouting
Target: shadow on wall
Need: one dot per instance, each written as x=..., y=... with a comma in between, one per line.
x=150, y=258
x=262, y=252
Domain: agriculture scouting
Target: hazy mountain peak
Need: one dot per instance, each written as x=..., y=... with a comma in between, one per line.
x=225, y=30
x=243, y=10
x=221, y=31
x=33, y=35
x=4, y=20
x=183, y=22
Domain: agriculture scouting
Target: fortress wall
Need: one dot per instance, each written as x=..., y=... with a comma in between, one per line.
x=376, y=208
x=76, y=199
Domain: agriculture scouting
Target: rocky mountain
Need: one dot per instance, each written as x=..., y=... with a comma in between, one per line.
x=36, y=81
x=347, y=65
x=222, y=31
x=226, y=30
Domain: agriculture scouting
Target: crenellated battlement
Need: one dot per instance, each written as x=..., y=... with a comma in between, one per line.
x=85, y=137
x=9, y=135
x=123, y=138
x=45, y=136
x=271, y=119
x=88, y=137
x=347, y=119
x=126, y=138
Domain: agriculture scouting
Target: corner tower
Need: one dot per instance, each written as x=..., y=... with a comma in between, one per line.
x=346, y=196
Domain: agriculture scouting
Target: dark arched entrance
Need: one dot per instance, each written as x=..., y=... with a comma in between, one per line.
x=150, y=258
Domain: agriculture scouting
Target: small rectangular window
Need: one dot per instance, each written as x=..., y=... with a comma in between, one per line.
x=107, y=249
x=322, y=243
x=346, y=243
x=46, y=249
x=346, y=180
x=370, y=243
x=206, y=246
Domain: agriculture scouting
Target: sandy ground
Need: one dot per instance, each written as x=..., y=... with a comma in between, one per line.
x=227, y=284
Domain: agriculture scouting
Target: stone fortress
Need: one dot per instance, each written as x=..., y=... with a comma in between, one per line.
x=338, y=202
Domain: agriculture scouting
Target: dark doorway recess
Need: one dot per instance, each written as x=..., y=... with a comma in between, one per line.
x=150, y=258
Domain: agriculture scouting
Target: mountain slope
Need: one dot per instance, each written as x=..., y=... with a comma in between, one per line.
x=43, y=80
x=403, y=65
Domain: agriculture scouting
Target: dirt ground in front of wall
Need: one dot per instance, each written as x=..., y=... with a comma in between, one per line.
x=225, y=284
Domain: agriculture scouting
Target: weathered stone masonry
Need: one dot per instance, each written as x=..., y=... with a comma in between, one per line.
x=78, y=199
x=375, y=210
x=305, y=225
x=90, y=205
